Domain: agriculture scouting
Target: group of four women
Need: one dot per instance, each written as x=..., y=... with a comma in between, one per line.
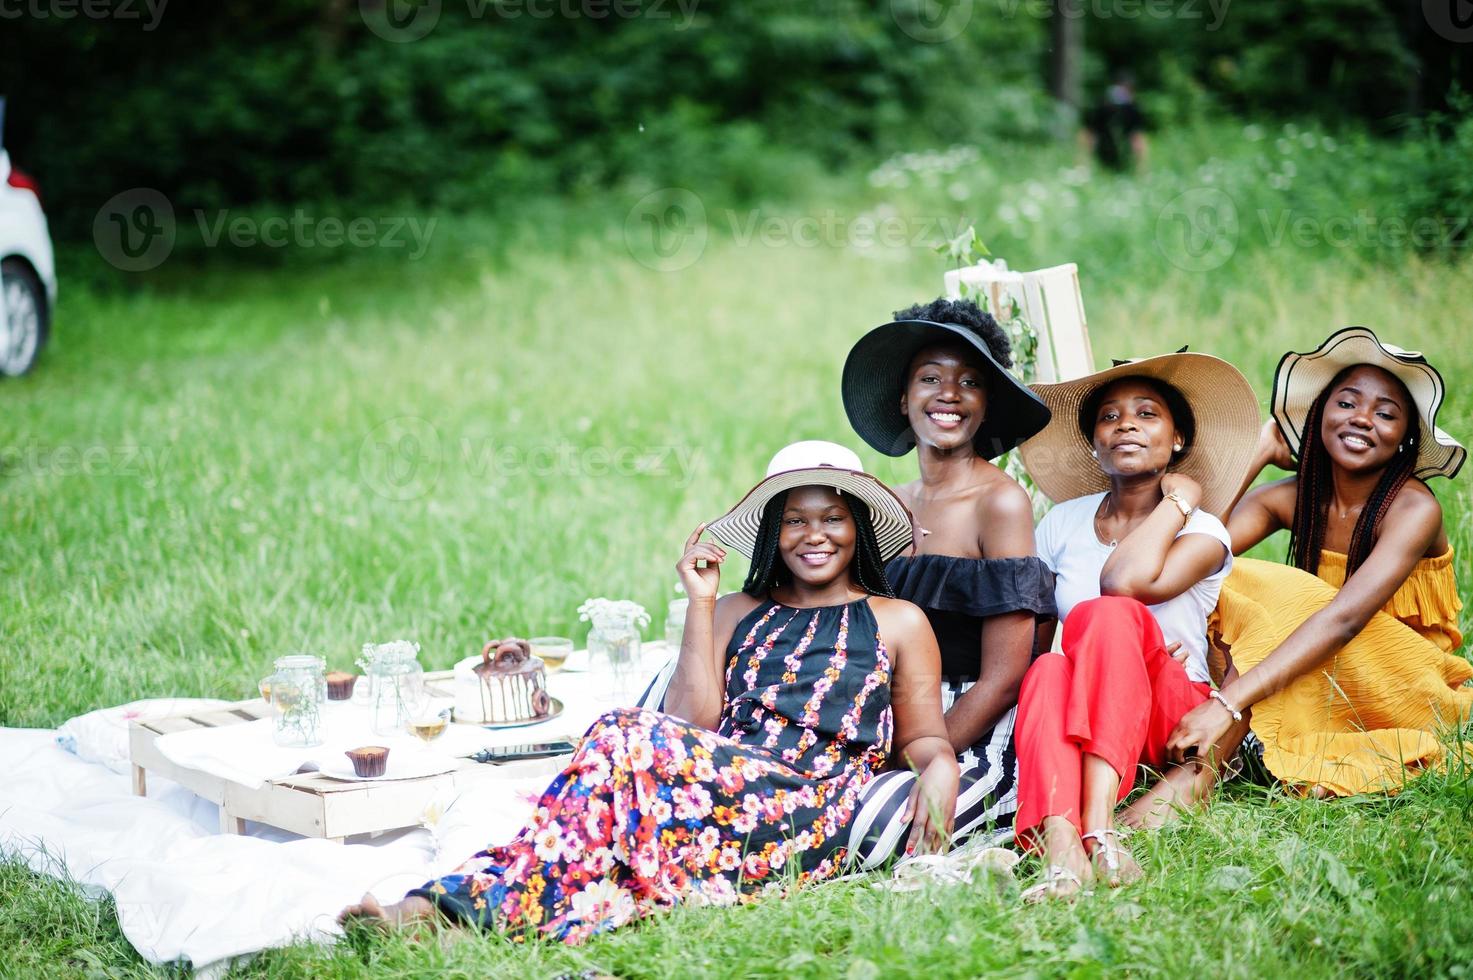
x=888, y=680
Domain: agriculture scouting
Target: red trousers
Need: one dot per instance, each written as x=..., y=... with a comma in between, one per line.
x=1115, y=693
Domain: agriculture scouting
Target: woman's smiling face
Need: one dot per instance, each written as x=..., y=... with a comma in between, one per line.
x=818, y=535
x=1134, y=432
x=1366, y=418
x=945, y=399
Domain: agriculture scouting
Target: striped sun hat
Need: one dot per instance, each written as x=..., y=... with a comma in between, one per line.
x=824, y=464
x=1301, y=377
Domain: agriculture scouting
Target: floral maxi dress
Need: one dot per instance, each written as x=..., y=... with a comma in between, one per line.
x=652, y=811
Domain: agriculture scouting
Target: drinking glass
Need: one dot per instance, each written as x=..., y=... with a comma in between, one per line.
x=553, y=650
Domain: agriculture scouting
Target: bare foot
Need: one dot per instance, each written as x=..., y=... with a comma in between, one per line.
x=368, y=909
x=1113, y=864
x=1067, y=870
x=1164, y=802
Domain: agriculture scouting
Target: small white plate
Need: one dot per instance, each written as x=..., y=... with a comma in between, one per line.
x=400, y=765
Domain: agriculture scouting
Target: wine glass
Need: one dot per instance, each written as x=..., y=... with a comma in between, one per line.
x=428, y=719
x=553, y=650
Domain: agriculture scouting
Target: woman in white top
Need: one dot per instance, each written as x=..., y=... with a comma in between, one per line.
x=1141, y=458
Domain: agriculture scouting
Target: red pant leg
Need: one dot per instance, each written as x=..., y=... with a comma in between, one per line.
x=1115, y=693
x=1173, y=694
x=1049, y=763
x=1111, y=641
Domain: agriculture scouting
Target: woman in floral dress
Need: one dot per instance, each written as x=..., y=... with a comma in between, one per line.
x=787, y=699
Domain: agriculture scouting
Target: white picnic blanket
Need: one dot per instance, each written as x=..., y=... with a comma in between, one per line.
x=184, y=891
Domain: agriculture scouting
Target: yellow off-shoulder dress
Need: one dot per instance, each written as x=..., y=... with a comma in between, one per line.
x=1370, y=718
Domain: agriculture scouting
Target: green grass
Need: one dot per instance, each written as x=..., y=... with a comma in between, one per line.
x=202, y=476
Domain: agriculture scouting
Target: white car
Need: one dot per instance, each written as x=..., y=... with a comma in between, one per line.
x=27, y=270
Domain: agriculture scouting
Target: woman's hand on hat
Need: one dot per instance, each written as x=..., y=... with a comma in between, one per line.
x=700, y=567
x=1273, y=448
x=1184, y=487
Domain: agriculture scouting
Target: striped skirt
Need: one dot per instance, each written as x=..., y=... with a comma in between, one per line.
x=985, y=802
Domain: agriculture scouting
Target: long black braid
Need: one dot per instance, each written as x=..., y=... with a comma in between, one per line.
x=1312, y=503
x=769, y=570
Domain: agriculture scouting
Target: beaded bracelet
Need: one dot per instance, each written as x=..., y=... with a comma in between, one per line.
x=1217, y=696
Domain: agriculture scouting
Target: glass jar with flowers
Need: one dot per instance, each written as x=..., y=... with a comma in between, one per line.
x=613, y=644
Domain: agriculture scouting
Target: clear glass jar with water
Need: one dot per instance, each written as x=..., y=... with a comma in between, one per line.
x=298, y=694
x=395, y=684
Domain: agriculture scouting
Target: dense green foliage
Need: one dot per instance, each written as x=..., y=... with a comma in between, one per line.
x=269, y=104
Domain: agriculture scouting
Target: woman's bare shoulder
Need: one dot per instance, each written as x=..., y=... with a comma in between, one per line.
x=731, y=607
x=898, y=618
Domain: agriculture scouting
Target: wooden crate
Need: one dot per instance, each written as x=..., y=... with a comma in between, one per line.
x=1049, y=299
x=309, y=804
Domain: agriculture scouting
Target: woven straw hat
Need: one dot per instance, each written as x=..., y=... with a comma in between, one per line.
x=1223, y=405
x=875, y=378
x=1301, y=377
x=826, y=464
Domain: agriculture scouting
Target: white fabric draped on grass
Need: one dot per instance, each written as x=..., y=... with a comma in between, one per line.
x=185, y=891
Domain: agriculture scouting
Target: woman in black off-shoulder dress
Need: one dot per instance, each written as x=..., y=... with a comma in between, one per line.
x=936, y=379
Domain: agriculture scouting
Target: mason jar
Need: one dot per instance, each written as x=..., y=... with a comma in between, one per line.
x=395, y=685
x=298, y=694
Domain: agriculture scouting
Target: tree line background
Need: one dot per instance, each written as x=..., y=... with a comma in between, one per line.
x=239, y=104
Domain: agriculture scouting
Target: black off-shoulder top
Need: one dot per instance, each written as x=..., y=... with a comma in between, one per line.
x=958, y=593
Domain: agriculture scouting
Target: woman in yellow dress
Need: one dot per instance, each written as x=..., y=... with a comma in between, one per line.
x=1347, y=657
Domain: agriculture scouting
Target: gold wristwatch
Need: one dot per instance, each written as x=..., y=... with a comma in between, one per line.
x=1181, y=504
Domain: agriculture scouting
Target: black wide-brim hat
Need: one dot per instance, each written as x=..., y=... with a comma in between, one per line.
x=875, y=378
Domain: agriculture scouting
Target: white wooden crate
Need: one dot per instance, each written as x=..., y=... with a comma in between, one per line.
x=1049, y=300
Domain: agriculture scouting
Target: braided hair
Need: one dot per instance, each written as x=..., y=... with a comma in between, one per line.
x=770, y=571
x=1312, y=503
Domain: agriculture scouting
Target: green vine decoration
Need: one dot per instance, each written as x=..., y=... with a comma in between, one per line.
x=968, y=249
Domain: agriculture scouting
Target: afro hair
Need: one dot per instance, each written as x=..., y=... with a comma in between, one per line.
x=969, y=316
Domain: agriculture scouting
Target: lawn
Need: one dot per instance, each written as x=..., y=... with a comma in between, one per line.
x=241, y=459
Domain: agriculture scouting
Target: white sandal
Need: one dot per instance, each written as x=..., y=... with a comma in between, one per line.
x=957, y=868
x=1053, y=876
x=1110, y=847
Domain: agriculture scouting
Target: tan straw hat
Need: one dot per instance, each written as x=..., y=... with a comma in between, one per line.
x=1301, y=377
x=1223, y=405
x=824, y=464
